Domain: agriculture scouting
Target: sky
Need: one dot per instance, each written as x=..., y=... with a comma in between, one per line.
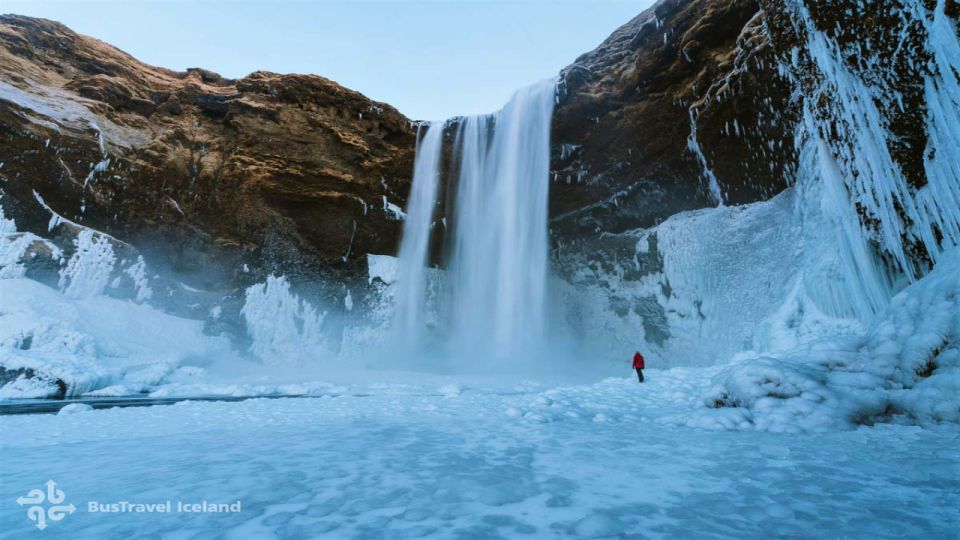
x=431, y=59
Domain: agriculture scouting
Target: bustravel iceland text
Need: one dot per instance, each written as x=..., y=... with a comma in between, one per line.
x=165, y=507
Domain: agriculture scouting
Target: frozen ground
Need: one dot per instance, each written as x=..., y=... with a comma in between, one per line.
x=451, y=459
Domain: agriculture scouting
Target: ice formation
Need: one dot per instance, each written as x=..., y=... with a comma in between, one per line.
x=284, y=328
x=905, y=368
x=56, y=344
x=14, y=247
x=87, y=273
x=844, y=126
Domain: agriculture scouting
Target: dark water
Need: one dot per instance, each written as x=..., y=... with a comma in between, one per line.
x=52, y=406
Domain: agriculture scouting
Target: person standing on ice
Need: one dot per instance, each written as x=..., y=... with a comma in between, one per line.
x=638, y=364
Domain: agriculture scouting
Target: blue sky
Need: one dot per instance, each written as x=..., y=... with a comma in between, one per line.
x=430, y=59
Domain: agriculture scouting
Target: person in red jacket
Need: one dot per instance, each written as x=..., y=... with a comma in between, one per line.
x=638, y=364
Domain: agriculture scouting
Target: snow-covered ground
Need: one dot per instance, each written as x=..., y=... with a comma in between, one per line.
x=448, y=458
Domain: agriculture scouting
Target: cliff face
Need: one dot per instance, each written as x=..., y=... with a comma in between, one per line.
x=705, y=102
x=673, y=112
x=219, y=181
x=847, y=109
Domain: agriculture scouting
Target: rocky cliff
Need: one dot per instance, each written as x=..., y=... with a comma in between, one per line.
x=837, y=118
x=698, y=103
x=218, y=181
x=672, y=112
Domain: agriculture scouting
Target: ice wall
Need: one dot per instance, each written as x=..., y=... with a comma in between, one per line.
x=708, y=284
x=850, y=94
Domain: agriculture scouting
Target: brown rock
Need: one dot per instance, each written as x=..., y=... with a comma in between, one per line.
x=283, y=173
x=622, y=129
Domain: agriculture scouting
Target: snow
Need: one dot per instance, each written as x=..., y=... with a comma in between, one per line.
x=383, y=267
x=74, y=408
x=91, y=342
x=399, y=459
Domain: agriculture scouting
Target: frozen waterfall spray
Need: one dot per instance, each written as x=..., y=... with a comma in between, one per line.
x=496, y=283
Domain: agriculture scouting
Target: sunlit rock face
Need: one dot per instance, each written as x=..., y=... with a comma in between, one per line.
x=220, y=181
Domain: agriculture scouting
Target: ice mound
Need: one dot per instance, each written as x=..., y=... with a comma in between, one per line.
x=904, y=368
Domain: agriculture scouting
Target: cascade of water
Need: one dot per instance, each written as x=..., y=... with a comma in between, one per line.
x=410, y=316
x=499, y=259
x=498, y=247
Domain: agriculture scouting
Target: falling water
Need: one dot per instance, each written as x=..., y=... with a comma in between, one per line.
x=497, y=265
x=410, y=315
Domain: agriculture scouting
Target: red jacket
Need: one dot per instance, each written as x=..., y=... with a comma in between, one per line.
x=637, y=361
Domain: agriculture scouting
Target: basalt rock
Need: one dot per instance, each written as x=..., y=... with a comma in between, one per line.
x=679, y=106
x=218, y=181
x=695, y=103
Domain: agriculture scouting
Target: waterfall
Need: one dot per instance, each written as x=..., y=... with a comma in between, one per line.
x=499, y=261
x=498, y=248
x=410, y=316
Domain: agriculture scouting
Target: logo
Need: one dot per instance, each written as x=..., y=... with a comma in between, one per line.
x=53, y=510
